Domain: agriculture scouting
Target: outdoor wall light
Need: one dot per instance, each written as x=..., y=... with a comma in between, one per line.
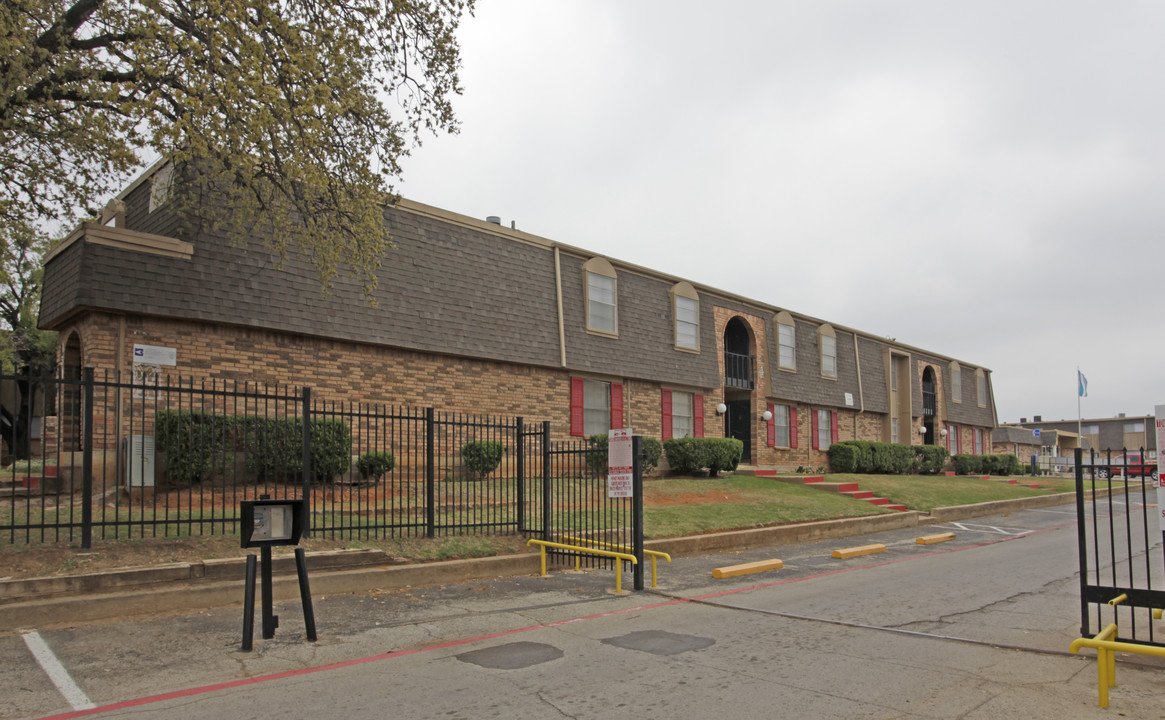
x=721, y=408
x=922, y=430
x=766, y=416
x=944, y=433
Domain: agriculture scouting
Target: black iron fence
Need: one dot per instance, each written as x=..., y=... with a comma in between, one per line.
x=98, y=457
x=1122, y=571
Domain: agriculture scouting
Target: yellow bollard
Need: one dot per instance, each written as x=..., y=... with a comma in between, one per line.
x=747, y=568
x=853, y=552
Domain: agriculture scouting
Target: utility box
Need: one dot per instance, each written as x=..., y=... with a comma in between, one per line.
x=139, y=461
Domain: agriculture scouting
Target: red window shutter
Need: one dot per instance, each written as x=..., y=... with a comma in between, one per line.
x=576, y=406
x=772, y=439
x=813, y=422
x=666, y=404
x=616, y=406
x=698, y=415
x=833, y=425
x=793, y=429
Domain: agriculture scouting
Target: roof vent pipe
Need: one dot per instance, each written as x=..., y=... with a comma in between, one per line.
x=495, y=219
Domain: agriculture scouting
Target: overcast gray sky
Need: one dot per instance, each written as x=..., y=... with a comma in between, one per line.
x=981, y=179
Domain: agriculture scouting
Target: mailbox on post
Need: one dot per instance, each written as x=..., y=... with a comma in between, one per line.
x=265, y=523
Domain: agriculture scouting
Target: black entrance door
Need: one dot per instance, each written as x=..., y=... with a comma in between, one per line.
x=738, y=424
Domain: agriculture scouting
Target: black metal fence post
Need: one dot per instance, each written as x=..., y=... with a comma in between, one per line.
x=637, y=507
x=1082, y=541
x=306, y=460
x=430, y=475
x=520, y=436
x=87, y=461
x=546, y=480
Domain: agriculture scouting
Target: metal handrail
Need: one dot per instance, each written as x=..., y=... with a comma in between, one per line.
x=1106, y=650
x=653, y=554
x=543, y=544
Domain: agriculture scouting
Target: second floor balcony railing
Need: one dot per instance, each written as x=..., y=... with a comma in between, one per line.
x=739, y=370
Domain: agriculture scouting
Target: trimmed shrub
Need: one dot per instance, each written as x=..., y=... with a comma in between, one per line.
x=892, y=458
x=687, y=455
x=722, y=454
x=1001, y=465
x=860, y=456
x=194, y=444
x=843, y=458
x=481, y=457
x=652, y=452
x=930, y=459
x=373, y=465
x=275, y=448
x=968, y=464
x=684, y=455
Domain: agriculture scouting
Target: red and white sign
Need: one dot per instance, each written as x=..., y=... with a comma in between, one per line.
x=1159, y=411
x=619, y=464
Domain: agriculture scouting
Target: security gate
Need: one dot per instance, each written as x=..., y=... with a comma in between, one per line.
x=1122, y=571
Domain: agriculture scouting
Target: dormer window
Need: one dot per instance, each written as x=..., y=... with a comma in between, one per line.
x=602, y=293
x=686, y=313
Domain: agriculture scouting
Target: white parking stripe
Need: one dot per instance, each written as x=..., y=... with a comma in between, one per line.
x=990, y=529
x=57, y=672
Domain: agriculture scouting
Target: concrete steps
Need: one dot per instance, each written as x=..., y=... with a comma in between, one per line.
x=852, y=489
x=24, y=483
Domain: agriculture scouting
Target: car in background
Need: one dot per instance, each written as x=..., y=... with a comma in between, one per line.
x=1131, y=464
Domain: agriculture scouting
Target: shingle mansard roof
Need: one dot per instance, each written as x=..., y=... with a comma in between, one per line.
x=452, y=285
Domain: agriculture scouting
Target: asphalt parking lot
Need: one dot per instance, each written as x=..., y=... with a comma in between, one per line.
x=977, y=626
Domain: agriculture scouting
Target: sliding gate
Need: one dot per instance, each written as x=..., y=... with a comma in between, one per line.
x=1122, y=571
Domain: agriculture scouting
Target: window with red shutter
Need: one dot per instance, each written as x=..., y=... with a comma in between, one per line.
x=666, y=410
x=576, y=406
x=698, y=415
x=616, y=406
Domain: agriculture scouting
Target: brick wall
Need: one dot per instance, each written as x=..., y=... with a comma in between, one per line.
x=351, y=372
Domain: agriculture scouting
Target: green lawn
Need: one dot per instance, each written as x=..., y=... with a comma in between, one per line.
x=688, y=506
x=927, y=492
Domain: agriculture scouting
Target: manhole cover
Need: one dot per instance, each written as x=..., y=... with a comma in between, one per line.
x=513, y=656
x=660, y=642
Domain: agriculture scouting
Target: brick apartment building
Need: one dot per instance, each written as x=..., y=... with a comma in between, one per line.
x=1131, y=432
x=476, y=317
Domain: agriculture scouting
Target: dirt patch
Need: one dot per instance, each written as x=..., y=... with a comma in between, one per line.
x=23, y=561
x=54, y=559
x=683, y=498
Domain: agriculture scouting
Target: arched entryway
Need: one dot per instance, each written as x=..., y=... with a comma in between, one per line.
x=739, y=383
x=70, y=389
x=929, y=405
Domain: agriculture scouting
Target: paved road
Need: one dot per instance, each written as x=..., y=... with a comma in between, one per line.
x=973, y=628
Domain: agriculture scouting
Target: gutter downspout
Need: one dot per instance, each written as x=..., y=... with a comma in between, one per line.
x=561, y=322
